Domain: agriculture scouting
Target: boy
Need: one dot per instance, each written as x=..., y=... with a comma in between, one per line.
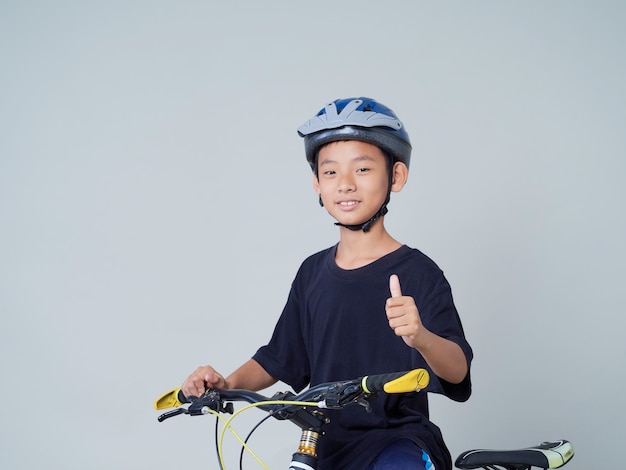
x=347, y=313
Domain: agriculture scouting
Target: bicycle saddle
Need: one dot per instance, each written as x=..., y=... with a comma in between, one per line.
x=546, y=455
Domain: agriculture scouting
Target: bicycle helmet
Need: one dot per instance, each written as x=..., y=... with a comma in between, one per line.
x=361, y=119
x=356, y=119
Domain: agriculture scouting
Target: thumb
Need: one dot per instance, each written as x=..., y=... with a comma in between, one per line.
x=394, y=286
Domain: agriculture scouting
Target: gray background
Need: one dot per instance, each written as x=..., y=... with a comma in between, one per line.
x=155, y=204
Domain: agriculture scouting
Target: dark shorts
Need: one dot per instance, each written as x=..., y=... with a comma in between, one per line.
x=402, y=455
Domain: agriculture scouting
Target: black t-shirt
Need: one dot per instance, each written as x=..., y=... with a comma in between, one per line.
x=334, y=327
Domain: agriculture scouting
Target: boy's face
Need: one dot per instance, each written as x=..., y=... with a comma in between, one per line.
x=352, y=180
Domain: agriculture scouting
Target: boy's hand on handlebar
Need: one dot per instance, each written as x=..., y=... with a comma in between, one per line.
x=202, y=378
x=403, y=314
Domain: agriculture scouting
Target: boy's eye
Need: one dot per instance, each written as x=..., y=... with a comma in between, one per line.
x=362, y=170
x=329, y=172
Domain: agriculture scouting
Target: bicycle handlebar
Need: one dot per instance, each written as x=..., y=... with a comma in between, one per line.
x=327, y=395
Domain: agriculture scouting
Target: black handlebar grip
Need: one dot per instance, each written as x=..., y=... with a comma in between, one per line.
x=396, y=382
x=375, y=383
x=183, y=399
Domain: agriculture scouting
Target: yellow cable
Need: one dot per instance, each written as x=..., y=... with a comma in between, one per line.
x=226, y=425
x=238, y=437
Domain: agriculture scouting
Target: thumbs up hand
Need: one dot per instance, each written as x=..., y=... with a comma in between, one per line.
x=402, y=313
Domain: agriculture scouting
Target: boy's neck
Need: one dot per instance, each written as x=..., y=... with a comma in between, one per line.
x=357, y=248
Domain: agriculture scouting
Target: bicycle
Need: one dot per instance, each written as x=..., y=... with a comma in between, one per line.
x=306, y=411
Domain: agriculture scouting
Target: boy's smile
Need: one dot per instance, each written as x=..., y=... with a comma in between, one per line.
x=348, y=205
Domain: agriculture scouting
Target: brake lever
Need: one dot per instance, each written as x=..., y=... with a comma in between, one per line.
x=169, y=414
x=209, y=400
x=364, y=403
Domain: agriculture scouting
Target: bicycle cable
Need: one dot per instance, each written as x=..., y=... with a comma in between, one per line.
x=217, y=428
x=227, y=426
x=256, y=426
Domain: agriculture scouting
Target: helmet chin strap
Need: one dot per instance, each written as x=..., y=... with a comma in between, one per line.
x=365, y=226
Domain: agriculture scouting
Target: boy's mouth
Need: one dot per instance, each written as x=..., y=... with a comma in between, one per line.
x=347, y=205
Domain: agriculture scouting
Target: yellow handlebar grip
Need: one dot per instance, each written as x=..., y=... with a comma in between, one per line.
x=168, y=400
x=412, y=381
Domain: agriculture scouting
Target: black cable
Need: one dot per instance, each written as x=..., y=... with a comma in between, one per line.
x=248, y=437
x=217, y=446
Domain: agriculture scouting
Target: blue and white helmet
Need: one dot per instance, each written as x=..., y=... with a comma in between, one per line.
x=361, y=119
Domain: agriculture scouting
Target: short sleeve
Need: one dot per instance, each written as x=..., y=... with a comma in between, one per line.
x=442, y=318
x=284, y=357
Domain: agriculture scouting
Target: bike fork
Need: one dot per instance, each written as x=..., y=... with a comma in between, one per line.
x=305, y=457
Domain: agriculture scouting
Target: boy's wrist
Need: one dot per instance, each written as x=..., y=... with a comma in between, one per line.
x=423, y=340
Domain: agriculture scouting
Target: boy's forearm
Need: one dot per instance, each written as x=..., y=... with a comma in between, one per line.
x=445, y=358
x=250, y=376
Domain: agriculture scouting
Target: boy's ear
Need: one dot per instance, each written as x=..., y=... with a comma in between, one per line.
x=399, y=175
x=316, y=183
x=316, y=187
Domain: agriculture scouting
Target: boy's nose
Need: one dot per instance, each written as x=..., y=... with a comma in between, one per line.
x=346, y=184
